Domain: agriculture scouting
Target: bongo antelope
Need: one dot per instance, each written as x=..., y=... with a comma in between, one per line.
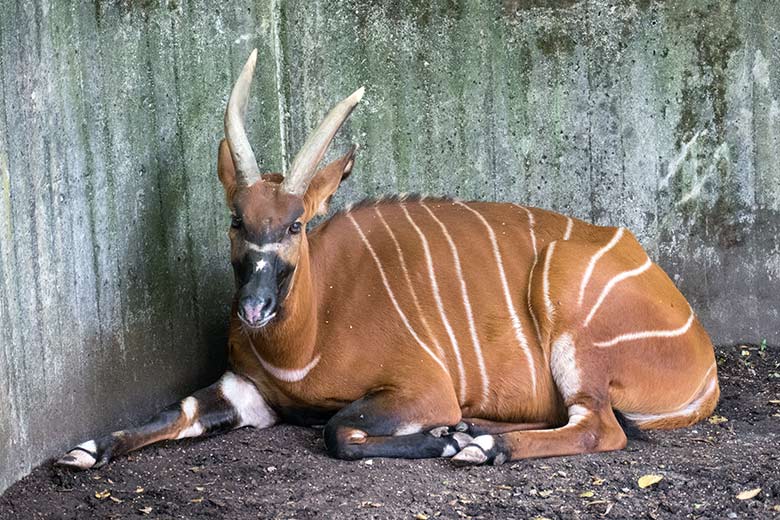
x=415, y=327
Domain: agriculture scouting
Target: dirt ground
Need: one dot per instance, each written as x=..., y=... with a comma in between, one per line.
x=284, y=473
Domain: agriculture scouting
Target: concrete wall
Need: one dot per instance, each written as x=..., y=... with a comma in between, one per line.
x=114, y=279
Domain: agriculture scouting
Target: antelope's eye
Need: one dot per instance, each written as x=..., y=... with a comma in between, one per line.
x=295, y=228
x=235, y=221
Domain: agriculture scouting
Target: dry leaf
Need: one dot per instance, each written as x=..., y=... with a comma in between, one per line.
x=774, y=401
x=586, y=494
x=367, y=503
x=717, y=419
x=146, y=510
x=199, y=488
x=100, y=495
x=597, y=481
x=648, y=480
x=197, y=500
x=421, y=516
x=139, y=489
x=117, y=500
x=776, y=507
x=503, y=486
x=750, y=493
x=546, y=493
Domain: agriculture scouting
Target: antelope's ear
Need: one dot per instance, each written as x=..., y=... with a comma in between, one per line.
x=226, y=170
x=325, y=183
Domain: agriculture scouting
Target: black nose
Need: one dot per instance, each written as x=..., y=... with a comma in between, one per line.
x=257, y=310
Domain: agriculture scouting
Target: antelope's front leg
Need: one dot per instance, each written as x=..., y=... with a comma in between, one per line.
x=231, y=402
x=389, y=424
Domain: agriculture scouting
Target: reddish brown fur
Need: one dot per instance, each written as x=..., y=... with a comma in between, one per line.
x=343, y=313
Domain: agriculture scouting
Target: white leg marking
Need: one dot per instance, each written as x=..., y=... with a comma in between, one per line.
x=189, y=407
x=466, y=304
x=516, y=325
x=285, y=374
x=592, y=264
x=691, y=406
x=193, y=430
x=89, y=446
x=408, y=429
x=408, y=278
x=244, y=397
x=633, y=336
x=440, y=305
x=563, y=365
x=577, y=414
x=392, y=296
x=569, y=227
x=448, y=451
x=548, y=305
x=611, y=284
x=357, y=436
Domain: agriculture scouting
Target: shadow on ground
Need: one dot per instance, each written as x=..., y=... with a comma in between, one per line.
x=284, y=473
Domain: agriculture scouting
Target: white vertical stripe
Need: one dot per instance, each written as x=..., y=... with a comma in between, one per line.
x=589, y=270
x=614, y=281
x=569, y=227
x=405, y=270
x=648, y=334
x=466, y=303
x=531, y=308
x=440, y=305
x=546, y=282
x=392, y=296
x=531, y=224
x=516, y=325
x=532, y=234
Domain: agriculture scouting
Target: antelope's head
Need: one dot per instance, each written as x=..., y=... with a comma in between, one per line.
x=269, y=212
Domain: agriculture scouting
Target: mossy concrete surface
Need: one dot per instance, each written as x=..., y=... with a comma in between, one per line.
x=114, y=279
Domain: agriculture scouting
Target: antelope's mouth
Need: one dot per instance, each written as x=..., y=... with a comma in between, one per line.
x=259, y=325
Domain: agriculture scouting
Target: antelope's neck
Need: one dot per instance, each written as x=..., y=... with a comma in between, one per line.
x=289, y=344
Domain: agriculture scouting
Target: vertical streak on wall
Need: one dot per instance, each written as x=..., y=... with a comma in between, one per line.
x=276, y=15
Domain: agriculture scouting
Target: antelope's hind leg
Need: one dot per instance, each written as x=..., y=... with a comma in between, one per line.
x=232, y=402
x=590, y=429
x=385, y=424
